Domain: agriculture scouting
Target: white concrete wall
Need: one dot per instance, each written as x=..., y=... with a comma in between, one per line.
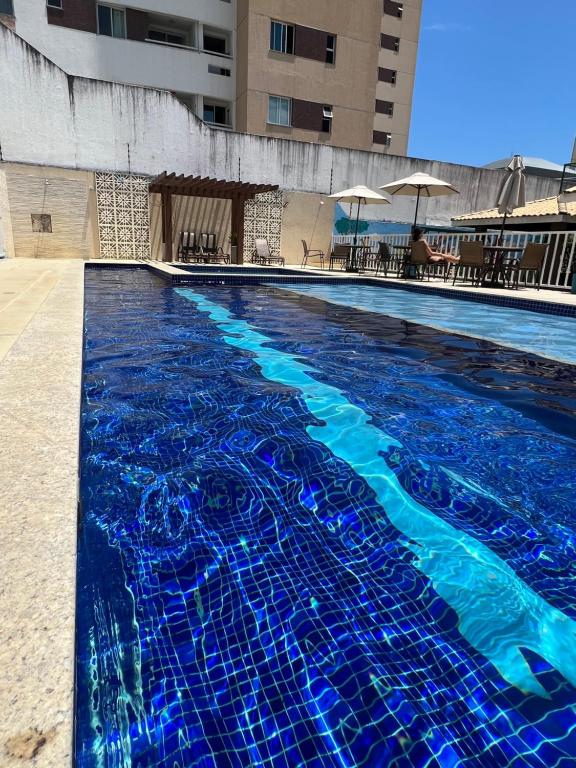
x=128, y=61
x=48, y=118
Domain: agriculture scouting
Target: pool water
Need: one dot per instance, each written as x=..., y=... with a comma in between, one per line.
x=548, y=335
x=316, y=536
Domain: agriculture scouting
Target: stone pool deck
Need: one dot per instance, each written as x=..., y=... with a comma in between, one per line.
x=41, y=310
x=41, y=307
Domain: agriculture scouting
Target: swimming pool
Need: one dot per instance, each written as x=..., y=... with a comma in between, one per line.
x=315, y=536
x=548, y=335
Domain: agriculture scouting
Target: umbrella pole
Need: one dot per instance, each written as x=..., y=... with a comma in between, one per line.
x=502, y=230
x=357, y=222
x=416, y=214
x=353, y=259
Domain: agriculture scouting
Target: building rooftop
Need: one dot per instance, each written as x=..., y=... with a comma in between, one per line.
x=534, y=165
x=548, y=206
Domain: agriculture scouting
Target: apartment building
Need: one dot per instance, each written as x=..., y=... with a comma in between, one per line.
x=184, y=46
x=330, y=71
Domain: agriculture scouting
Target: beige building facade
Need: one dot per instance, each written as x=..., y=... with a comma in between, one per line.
x=328, y=71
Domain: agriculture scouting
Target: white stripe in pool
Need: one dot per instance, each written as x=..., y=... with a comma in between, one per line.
x=498, y=613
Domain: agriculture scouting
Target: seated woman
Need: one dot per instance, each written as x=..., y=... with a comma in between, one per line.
x=434, y=257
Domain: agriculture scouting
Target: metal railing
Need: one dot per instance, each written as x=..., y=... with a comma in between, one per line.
x=559, y=264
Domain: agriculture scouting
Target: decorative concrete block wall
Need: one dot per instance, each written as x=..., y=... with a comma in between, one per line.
x=263, y=218
x=123, y=217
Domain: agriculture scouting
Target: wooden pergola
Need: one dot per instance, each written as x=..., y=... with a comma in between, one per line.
x=168, y=184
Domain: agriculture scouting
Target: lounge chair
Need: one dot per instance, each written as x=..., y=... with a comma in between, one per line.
x=472, y=260
x=531, y=261
x=262, y=255
x=208, y=243
x=209, y=252
x=308, y=254
x=186, y=246
x=340, y=255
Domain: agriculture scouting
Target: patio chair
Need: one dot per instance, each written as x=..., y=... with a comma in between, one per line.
x=262, y=254
x=186, y=246
x=207, y=242
x=384, y=258
x=471, y=260
x=531, y=261
x=418, y=261
x=308, y=254
x=210, y=251
x=340, y=255
x=216, y=256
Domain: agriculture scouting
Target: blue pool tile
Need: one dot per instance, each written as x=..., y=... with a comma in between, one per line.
x=243, y=596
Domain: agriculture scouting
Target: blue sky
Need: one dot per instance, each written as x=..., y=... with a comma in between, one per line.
x=495, y=78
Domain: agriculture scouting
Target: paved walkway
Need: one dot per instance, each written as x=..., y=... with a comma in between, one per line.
x=41, y=307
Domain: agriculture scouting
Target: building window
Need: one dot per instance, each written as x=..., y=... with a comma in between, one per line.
x=381, y=137
x=384, y=107
x=279, y=110
x=163, y=36
x=330, y=49
x=54, y=4
x=387, y=75
x=111, y=21
x=216, y=43
x=327, y=116
x=217, y=114
x=214, y=70
x=390, y=43
x=281, y=37
x=392, y=8
x=7, y=7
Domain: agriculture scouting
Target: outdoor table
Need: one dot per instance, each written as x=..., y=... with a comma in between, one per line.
x=352, y=263
x=495, y=255
x=404, y=251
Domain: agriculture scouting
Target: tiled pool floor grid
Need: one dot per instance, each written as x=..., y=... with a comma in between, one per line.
x=316, y=537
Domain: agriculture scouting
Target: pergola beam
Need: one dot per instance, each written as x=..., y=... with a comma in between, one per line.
x=168, y=184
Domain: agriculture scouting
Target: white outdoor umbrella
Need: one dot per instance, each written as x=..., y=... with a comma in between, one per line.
x=419, y=185
x=512, y=192
x=362, y=196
